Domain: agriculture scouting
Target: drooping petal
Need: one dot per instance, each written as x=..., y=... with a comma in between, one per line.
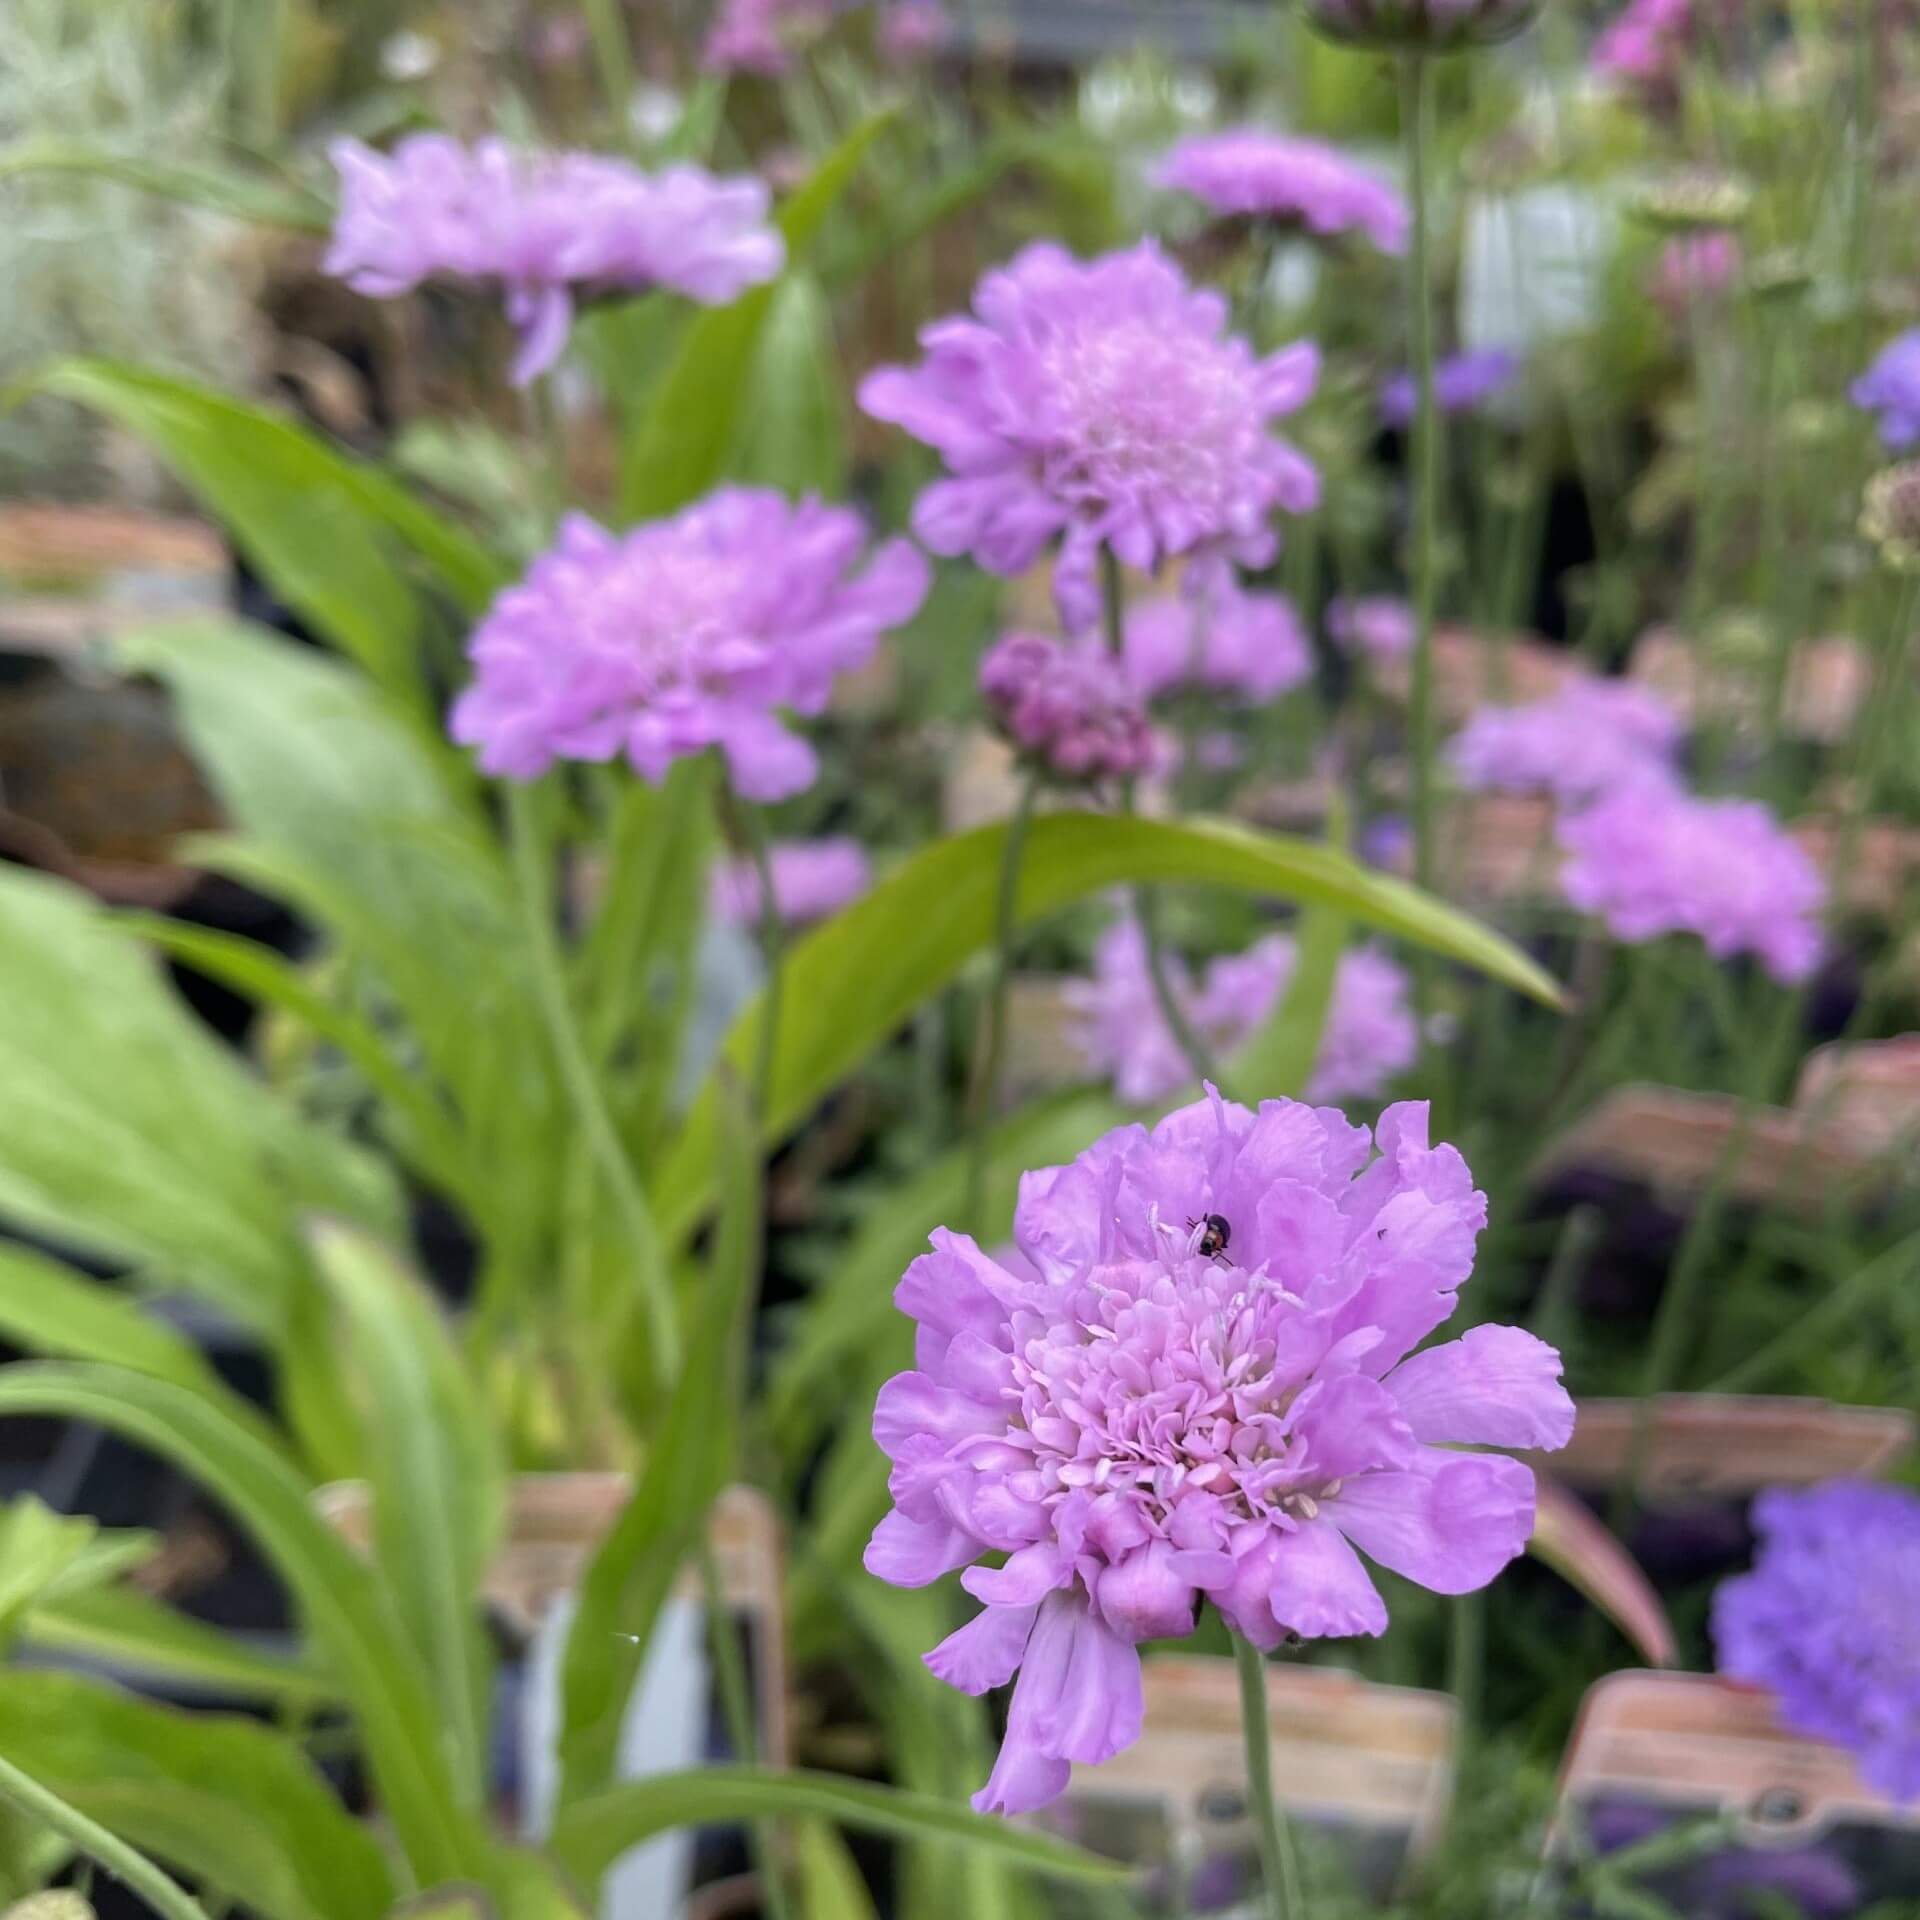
x=1495, y=1386
x=1450, y=1523
x=1317, y=1587
x=987, y=1651
x=1028, y=1577
x=915, y=1553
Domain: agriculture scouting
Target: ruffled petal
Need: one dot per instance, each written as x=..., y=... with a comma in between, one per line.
x=987, y=1651
x=1450, y=1523
x=1145, y=1596
x=915, y=1553
x=1495, y=1386
x=1318, y=1588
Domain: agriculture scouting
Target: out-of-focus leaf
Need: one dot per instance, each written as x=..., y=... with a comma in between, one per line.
x=48, y=1308
x=233, y=1454
x=129, y=1130
x=792, y=434
x=629, y=1578
x=594, y=1833
x=435, y=1472
x=226, y=1801
x=60, y=1904
x=219, y=189
x=1569, y=1539
x=851, y=982
x=695, y=417
x=44, y=1554
x=830, y=1884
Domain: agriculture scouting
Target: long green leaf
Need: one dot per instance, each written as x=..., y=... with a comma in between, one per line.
x=695, y=417
x=851, y=982
x=341, y=1603
x=593, y=1834
x=792, y=434
x=435, y=1471
x=219, y=189
x=228, y=1802
x=47, y=1308
x=1279, y=1058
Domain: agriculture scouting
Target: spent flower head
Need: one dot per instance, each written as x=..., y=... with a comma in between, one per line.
x=1890, y=516
x=548, y=228
x=1102, y=404
x=1193, y=1381
x=1070, y=709
x=683, y=634
x=1828, y=1621
x=1281, y=178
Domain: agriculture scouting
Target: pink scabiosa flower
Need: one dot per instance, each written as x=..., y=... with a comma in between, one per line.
x=1651, y=860
x=1251, y=644
x=1122, y=1033
x=1101, y=403
x=910, y=31
x=1585, y=739
x=1461, y=383
x=1890, y=388
x=548, y=229
x=1201, y=1389
x=1070, y=709
x=1695, y=268
x=811, y=879
x=1644, y=44
x=1374, y=626
x=1250, y=173
x=761, y=36
x=1827, y=1622
x=683, y=634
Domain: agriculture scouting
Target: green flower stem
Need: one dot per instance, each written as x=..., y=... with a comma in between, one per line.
x=747, y=827
x=1279, y=1869
x=613, y=56
x=132, y=1869
x=530, y=865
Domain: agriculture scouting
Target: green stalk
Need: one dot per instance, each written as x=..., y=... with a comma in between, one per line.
x=168, y=1899
x=613, y=55
x=749, y=829
x=1279, y=1870
x=529, y=849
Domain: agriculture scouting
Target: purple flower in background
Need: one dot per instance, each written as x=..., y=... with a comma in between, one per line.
x=1122, y=1033
x=1828, y=1621
x=1104, y=404
x=1695, y=267
x=1071, y=708
x=1374, y=625
x=547, y=228
x=1582, y=741
x=811, y=879
x=1230, y=641
x=683, y=634
x=1140, y=1423
x=1272, y=176
x=759, y=36
x=1891, y=389
x=1461, y=382
x=1645, y=42
x=1652, y=860
x=909, y=31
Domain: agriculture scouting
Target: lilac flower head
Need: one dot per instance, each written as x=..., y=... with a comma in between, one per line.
x=1581, y=741
x=910, y=31
x=547, y=228
x=811, y=879
x=1651, y=860
x=760, y=36
x=1827, y=1621
x=1461, y=382
x=680, y=635
x=1433, y=26
x=1138, y=1423
x=1645, y=43
x=1070, y=708
x=1696, y=267
x=1374, y=625
x=1122, y=1033
x=1891, y=389
x=1251, y=644
x=1100, y=402
x=1271, y=176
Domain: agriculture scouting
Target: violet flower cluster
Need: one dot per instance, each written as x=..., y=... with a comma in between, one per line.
x=1123, y=1035
x=1827, y=1621
x=1281, y=178
x=681, y=635
x=1461, y=383
x=1194, y=1383
x=1651, y=860
x=1645, y=43
x=811, y=879
x=1583, y=740
x=1232, y=642
x=1102, y=404
x=1072, y=710
x=761, y=36
x=1374, y=626
x=548, y=229
x=1890, y=389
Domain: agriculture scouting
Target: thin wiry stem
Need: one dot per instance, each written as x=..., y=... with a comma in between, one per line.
x=1279, y=1869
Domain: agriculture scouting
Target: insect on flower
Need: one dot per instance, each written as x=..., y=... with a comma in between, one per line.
x=1216, y=1233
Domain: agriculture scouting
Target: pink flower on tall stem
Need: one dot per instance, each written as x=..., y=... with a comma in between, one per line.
x=1288, y=181
x=1203, y=1387
x=683, y=634
x=1104, y=405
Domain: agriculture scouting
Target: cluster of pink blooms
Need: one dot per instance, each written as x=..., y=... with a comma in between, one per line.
x=1193, y=1382
x=1122, y=1034
x=1102, y=404
x=761, y=36
x=1651, y=859
x=1695, y=267
x=548, y=229
x=681, y=635
x=1276, y=177
x=811, y=879
x=1586, y=738
x=1072, y=709
x=1374, y=626
x=1229, y=641
x=1645, y=43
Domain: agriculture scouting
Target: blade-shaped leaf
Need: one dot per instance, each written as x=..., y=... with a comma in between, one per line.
x=48, y=1308
x=236, y=1458
x=851, y=982
x=219, y=189
x=792, y=435
x=1278, y=1060
x=226, y=1801
x=591, y=1835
